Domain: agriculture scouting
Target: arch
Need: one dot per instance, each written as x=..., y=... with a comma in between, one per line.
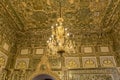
x=44, y=68
x=43, y=77
x=49, y=73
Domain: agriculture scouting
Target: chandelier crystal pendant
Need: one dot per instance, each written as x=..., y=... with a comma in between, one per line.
x=60, y=42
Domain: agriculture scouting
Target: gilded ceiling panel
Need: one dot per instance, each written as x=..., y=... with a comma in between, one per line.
x=7, y=31
x=33, y=18
x=77, y=13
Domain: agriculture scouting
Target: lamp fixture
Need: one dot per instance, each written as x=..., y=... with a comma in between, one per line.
x=60, y=42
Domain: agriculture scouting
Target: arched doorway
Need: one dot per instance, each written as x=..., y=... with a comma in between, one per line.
x=43, y=77
x=43, y=71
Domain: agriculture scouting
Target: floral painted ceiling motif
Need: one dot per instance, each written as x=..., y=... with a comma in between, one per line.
x=83, y=14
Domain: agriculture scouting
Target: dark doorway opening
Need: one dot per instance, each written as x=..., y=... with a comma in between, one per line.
x=48, y=79
x=43, y=77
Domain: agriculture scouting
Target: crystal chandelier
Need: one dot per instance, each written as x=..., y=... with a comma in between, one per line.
x=60, y=42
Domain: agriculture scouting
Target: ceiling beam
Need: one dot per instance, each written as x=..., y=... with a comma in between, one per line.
x=10, y=16
x=113, y=12
x=21, y=25
x=110, y=12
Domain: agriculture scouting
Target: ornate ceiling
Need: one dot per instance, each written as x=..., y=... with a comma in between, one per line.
x=35, y=17
x=41, y=14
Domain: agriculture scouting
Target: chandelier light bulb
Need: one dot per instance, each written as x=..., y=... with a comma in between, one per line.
x=65, y=29
x=56, y=24
x=47, y=41
x=52, y=27
x=68, y=34
x=60, y=44
x=52, y=36
x=50, y=39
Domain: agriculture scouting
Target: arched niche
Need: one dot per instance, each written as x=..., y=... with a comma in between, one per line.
x=43, y=68
x=43, y=77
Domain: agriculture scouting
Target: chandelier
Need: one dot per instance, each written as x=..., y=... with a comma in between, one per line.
x=60, y=40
